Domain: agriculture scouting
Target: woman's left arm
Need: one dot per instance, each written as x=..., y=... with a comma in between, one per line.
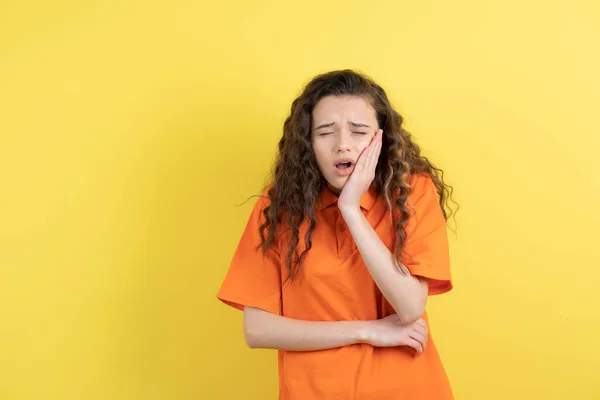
x=406, y=293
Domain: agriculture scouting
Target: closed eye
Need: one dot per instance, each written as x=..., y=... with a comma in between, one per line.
x=329, y=133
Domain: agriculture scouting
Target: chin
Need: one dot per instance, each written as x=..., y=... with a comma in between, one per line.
x=337, y=187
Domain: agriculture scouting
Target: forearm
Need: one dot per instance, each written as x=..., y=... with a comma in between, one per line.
x=265, y=330
x=406, y=294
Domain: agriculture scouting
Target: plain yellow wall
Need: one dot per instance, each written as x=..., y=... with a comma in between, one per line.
x=131, y=130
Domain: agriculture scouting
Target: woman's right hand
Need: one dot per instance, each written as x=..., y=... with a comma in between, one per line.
x=389, y=332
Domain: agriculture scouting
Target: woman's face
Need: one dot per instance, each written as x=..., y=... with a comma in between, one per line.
x=342, y=126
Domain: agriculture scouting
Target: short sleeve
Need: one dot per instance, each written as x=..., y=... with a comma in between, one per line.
x=253, y=278
x=426, y=251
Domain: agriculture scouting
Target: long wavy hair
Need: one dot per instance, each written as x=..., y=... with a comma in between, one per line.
x=297, y=182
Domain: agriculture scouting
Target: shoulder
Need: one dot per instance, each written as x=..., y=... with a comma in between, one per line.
x=421, y=186
x=259, y=201
x=263, y=200
x=262, y=215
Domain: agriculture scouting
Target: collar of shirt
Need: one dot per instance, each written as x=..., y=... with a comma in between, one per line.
x=327, y=198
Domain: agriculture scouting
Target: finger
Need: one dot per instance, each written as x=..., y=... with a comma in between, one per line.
x=421, y=329
x=368, y=166
x=415, y=345
x=378, y=151
x=379, y=137
x=374, y=151
x=362, y=159
x=378, y=146
x=421, y=322
x=420, y=338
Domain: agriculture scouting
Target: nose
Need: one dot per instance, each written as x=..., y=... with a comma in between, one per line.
x=343, y=142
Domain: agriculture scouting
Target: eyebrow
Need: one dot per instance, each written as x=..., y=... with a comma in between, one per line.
x=330, y=124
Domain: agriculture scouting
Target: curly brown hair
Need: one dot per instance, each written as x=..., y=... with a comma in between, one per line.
x=297, y=181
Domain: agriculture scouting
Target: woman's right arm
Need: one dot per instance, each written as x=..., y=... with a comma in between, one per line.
x=265, y=330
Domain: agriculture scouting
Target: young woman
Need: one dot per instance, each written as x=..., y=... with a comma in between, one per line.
x=342, y=250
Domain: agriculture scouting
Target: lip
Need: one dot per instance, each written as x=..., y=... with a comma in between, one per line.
x=344, y=171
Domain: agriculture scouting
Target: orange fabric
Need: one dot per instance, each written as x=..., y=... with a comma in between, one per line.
x=334, y=284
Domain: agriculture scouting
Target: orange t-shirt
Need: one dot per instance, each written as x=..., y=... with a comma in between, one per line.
x=334, y=284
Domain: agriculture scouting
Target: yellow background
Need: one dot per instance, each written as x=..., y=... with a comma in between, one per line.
x=130, y=131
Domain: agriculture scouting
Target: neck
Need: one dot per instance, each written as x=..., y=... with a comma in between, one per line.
x=334, y=190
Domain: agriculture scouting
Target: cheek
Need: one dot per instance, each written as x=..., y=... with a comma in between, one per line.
x=362, y=147
x=320, y=155
x=363, y=142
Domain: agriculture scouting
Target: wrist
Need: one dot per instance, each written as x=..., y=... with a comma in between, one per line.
x=349, y=211
x=362, y=332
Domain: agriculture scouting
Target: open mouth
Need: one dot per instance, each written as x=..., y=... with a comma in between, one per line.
x=343, y=165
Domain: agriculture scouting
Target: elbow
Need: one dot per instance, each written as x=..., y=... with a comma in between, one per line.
x=411, y=314
x=412, y=308
x=251, y=337
x=409, y=317
x=252, y=331
x=251, y=343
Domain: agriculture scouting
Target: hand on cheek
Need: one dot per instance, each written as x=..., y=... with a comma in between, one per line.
x=364, y=172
